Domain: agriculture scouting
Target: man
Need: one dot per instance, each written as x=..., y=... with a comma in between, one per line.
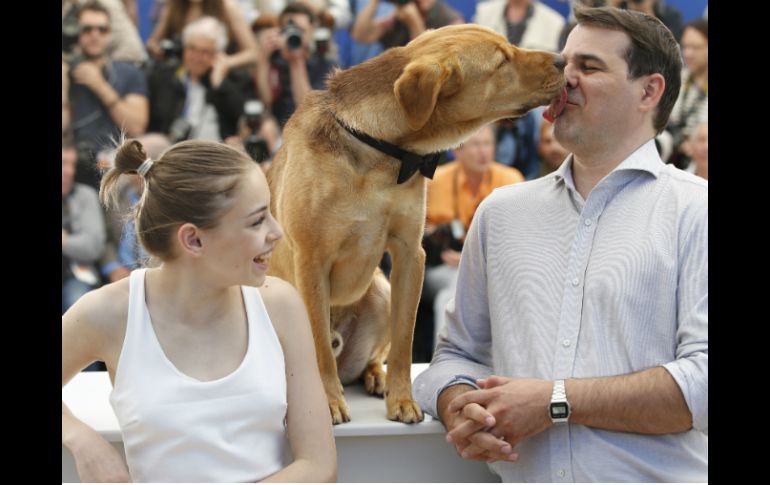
x=295, y=67
x=587, y=288
x=100, y=97
x=204, y=99
x=455, y=192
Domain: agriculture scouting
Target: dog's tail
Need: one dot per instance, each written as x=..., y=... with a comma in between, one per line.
x=337, y=342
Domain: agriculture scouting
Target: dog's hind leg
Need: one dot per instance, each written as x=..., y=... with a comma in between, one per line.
x=363, y=336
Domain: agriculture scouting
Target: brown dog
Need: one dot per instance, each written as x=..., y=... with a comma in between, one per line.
x=341, y=208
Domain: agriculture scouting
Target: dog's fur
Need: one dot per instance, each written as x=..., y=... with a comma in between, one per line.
x=341, y=208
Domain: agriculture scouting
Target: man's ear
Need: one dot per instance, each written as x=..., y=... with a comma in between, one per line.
x=188, y=236
x=418, y=87
x=652, y=91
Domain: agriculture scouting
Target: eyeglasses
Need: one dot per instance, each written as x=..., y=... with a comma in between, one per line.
x=86, y=29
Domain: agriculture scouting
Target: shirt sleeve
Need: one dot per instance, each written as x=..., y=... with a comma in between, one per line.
x=690, y=369
x=463, y=350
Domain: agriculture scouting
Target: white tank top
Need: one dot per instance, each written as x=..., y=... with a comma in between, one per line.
x=178, y=429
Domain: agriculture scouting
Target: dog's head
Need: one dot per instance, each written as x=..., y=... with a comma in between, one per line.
x=463, y=73
x=447, y=83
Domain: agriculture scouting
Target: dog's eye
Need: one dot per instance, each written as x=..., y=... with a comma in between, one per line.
x=502, y=63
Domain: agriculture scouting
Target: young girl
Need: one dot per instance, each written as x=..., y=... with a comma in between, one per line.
x=214, y=380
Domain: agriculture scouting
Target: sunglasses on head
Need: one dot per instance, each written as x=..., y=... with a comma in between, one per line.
x=86, y=29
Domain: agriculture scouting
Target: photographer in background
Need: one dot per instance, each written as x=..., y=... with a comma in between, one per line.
x=125, y=43
x=410, y=19
x=99, y=97
x=203, y=98
x=258, y=134
x=296, y=64
x=455, y=192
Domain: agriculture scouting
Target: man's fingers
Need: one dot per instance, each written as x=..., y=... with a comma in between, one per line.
x=479, y=414
x=464, y=430
x=478, y=396
x=486, y=446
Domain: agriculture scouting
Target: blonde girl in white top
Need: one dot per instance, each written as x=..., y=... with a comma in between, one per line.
x=205, y=367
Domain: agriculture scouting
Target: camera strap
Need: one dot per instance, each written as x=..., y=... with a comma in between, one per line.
x=410, y=162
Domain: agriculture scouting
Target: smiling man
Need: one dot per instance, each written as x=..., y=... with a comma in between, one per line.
x=587, y=289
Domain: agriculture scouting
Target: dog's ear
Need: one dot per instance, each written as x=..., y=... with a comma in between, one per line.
x=418, y=88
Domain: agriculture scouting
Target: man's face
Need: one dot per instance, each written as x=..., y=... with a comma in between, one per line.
x=478, y=152
x=68, y=159
x=199, y=54
x=602, y=101
x=94, y=33
x=695, y=51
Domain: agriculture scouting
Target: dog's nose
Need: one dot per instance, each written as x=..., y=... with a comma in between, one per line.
x=559, y=62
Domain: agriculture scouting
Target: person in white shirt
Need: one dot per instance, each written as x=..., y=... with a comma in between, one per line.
x=212, y=362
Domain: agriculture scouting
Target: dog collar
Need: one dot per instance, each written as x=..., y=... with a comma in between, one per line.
x=410, y=162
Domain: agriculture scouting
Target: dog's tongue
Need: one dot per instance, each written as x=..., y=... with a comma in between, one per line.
x=556, y=106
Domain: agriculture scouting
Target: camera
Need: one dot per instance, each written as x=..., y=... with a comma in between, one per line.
x=254, y=145
x=70, y=30
x=292, y=34
x=445, y=236
x=322, y=37
x=171, y=50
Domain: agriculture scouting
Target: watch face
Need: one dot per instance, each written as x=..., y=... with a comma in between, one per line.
x=559, y=410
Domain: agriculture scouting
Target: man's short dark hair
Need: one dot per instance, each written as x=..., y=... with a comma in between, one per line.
x=93, y=6
x=294, y=8
x=653, y=49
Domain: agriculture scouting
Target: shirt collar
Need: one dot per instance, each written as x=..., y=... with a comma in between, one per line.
x=645, y=159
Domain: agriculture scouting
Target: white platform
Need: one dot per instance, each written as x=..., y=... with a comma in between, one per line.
x=370, y=448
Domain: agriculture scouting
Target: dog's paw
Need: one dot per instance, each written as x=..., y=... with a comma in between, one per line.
x=374, y=379
x=340, y=411
x=404, y=410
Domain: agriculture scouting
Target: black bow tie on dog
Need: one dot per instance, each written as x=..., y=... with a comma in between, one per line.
x=410, y=162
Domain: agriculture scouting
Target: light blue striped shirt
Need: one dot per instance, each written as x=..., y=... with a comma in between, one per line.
x=552, y=286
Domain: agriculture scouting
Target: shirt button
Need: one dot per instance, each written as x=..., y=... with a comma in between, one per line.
x=561, y=473
x=587, y=222
x=565, y=342
x=575, y=281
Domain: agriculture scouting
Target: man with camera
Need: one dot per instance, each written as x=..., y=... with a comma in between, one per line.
x=297, y=61
x=100, y=97
x=202, y=99
x=455, y=192
x=410, y=19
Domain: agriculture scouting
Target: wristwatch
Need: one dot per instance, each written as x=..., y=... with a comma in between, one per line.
x=559, y=408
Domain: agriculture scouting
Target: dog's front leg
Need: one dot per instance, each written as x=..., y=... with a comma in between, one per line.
x=406, y=285
x=313, y=284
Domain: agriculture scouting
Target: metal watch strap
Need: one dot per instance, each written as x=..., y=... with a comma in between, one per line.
x=559, y=391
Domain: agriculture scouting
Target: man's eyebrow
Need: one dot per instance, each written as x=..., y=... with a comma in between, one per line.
x=589, y=57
